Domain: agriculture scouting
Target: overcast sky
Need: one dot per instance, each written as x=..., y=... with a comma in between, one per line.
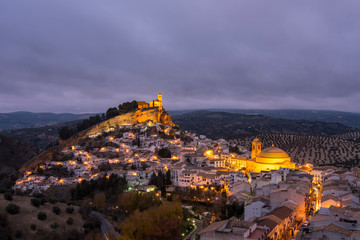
x=86, y=56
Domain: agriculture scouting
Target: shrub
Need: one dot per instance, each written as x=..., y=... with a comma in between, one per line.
x=54, y=225
x=35, y=202
x=69, y=221
x=12, y=209
x=56, y=210
x=42, y=216
x=164, y=153
x=33, y=227
x=8, y=196
x=62, y=200
x=70, y=210
x=52, y=200
x=18, y=233
x=38, y=195
x=43, y=201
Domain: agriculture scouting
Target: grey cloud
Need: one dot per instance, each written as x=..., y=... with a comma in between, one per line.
x=85, y=56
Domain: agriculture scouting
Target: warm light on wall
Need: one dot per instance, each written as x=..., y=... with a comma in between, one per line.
x=209, y=153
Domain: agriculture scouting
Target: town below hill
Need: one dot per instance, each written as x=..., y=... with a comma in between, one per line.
x=119, y=172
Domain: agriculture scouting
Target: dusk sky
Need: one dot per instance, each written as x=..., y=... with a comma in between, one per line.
x=85, y=56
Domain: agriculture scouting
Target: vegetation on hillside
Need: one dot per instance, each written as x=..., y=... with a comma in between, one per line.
x=223, y=125
x=112, y=185
x=66, y=132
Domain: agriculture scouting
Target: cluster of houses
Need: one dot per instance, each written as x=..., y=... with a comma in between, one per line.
x=320, y=203
x=134, y=154
x=339, y=215
x=276, y=204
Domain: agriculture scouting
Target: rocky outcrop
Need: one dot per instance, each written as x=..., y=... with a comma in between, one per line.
x=139, y=116
x=166, y=119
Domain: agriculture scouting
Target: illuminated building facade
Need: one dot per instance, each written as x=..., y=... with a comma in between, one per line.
x=154, y=103
x=271, y=158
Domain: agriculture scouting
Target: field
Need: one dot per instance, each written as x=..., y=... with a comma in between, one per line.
x=342, y=150
x=28, y=215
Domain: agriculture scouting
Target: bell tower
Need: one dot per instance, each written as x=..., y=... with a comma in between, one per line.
x=160, y=101
x=256, y=148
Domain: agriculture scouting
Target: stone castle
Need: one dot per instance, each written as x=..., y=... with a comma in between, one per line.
x=154, y=103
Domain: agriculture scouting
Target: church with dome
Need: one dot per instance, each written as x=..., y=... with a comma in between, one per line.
x=271, y=158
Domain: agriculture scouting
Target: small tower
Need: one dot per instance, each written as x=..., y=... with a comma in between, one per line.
x=160, y=101
x=256, y=148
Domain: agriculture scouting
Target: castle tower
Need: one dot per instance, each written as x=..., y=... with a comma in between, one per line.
x=256, y=148
x=160, y=101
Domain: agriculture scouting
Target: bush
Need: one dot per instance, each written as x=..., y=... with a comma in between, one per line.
x=33, y=227
x=62, y=200
x=35, y=202
x=52, y=200
x=92, y=224
x=164, y=153
x=8, y=196
x=70, y=210
x=18, y=233
x=56, y=210
x=38, y=195
x=42, y=216
x=12, y=209
x=54, y=225
x=69, y=221
x=43, y=201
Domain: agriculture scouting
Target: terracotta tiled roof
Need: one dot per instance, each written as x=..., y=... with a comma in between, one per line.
x=330, y=197
x=333, y=228
x=213, y=227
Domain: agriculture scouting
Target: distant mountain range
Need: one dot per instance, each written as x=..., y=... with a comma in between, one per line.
x=345, y=118
x=41, y=129
x=224, y=124
x=17, y=120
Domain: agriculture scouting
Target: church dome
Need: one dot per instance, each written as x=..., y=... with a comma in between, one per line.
x=272, y=155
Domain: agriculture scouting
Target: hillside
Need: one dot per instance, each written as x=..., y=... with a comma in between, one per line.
x=222, y=124
x=41, y=137
x=345, y=118
x=319, y=150
x=13, y=154
x=139, y=116
x=17, y=120
x=54, y=225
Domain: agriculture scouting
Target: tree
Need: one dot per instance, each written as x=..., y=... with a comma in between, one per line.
x=33, y=226
x=54, y=225
x=42, y=216
x=168, y=178
x=8, y=196
x=162, y=222
x=69, y=221
x=56, y=210
x=12, y=209
x=35, y=202
x=65, y=133
x=18, y=234
x=69, y=210
x=164, y=153
x=111, y=112
x=99, y=199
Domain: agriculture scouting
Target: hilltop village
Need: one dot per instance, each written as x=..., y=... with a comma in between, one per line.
x=280, y=199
